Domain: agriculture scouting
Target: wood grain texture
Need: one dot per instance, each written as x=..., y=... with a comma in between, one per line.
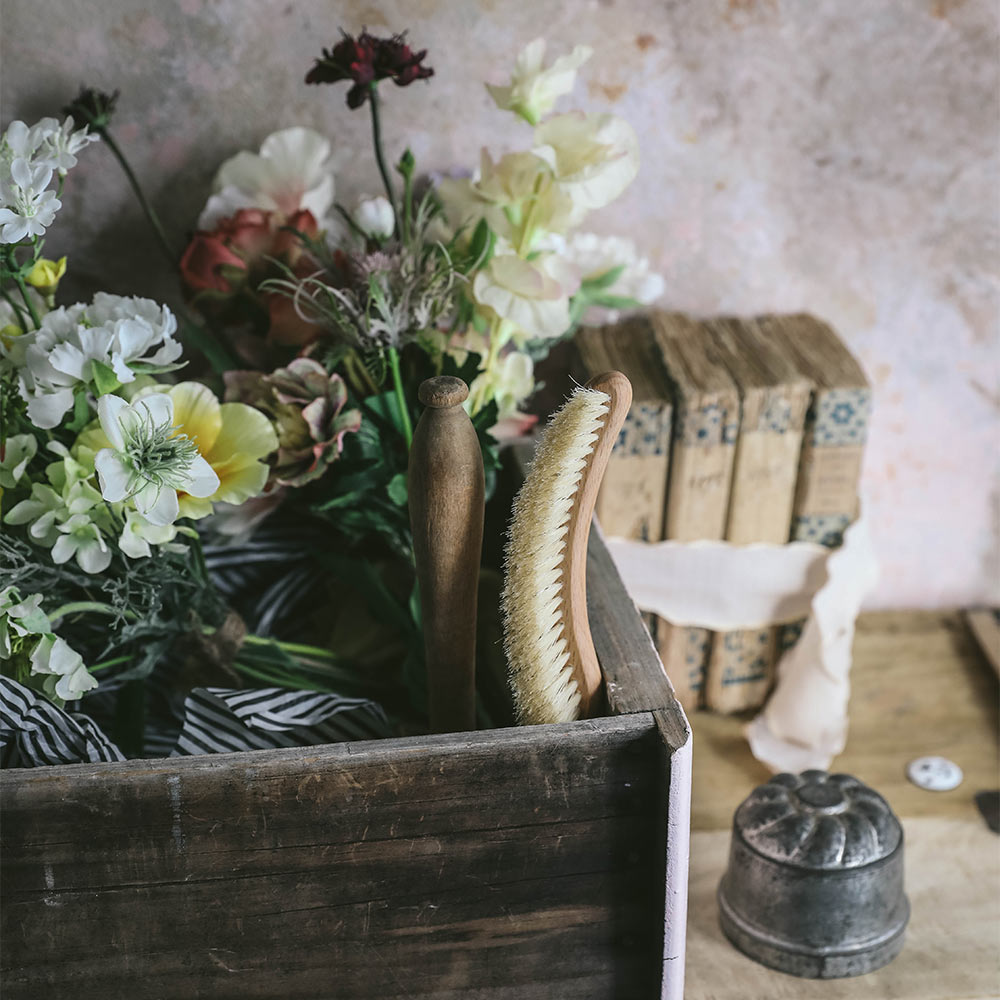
x=446, y=490
x=490, y=864
x=634, y=678
x=516, y=863
x=919, y=685
x=950, y=951
x=573, y=600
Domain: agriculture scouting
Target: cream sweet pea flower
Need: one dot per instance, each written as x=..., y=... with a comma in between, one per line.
x=292, y=171
x=149, y=459
x=594, y=157
x=532, y=295
x=517, y=195
x=534, y=90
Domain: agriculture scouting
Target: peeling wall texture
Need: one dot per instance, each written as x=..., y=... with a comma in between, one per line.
x=840, y=158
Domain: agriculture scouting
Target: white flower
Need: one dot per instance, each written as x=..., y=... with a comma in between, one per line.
x=22, y=142
x=595, y=256
x=15, y=454
x=123, y=333
x=44, y=510
x=375, y=217
x=138, y=534
x=67, y=677
x=148, y=462
x=19, y=618
x=292, y=171
x=28, y=208
x=533, y=91
x=594, y=157
x=510, y=382
x=532, y=295
x=60, y=143
x=82, y=538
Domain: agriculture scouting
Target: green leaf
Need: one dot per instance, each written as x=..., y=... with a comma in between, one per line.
x=615, y=302
x=604, y=280
x=105, y=379
x=81, y=411
x=481, y=245
x=397, y=489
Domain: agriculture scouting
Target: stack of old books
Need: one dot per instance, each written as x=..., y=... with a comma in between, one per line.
x=743, y=430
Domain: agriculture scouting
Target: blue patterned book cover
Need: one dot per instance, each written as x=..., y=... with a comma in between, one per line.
x=826, y=496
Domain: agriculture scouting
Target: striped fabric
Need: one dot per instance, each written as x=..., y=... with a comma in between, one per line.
x=221, y=721
x=34, y=733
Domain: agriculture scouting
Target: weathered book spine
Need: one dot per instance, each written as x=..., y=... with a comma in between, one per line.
x=826, y=495
x=631, y=501
x=701, y=466
x=741, y=666
x=633, y=494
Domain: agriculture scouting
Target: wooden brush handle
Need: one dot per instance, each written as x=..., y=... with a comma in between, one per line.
x=586, y=669
x=447, y=495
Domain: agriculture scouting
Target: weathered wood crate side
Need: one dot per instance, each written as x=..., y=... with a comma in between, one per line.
x=524, y=863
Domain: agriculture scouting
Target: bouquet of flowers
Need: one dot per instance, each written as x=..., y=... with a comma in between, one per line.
x=245, y=522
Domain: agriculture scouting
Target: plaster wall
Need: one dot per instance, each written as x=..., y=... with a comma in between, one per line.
x=835, y=156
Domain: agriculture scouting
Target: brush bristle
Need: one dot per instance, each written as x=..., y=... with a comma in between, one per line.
x=538, y=656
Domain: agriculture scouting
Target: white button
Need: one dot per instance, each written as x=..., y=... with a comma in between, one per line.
x=936, y=774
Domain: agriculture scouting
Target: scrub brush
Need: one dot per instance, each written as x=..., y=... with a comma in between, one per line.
x=554, y=673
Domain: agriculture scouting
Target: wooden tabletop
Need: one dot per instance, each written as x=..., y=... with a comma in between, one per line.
x=920, y=685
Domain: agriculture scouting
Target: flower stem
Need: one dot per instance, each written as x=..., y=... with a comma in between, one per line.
x=397, y=382
x=147, y=208
x=379, y=157
x=289, y=647
x=23, y=289
x=18, y=313
x=75, y=607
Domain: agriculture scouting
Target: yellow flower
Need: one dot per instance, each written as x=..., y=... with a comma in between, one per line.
x=45, y=274
x=232, y=437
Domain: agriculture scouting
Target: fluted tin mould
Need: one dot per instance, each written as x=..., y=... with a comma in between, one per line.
x=814, y=885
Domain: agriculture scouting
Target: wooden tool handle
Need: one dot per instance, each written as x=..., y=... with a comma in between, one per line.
x=586, y=669
x=447, y=497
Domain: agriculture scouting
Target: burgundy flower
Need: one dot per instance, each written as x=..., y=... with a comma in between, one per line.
x=366, y=60
x=92, y=107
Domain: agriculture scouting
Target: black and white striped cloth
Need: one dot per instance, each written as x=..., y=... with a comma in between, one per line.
x=221, y=721
x=34, y=733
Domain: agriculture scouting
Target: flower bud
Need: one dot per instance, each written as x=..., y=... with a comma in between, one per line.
x=45, y=274
x=375, y=217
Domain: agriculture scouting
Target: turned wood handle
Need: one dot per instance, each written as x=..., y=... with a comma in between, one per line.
x=447, y=496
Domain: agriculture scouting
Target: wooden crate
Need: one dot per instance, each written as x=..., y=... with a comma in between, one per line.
x=535, y=862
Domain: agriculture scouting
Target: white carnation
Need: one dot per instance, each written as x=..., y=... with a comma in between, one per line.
x=125, y=334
